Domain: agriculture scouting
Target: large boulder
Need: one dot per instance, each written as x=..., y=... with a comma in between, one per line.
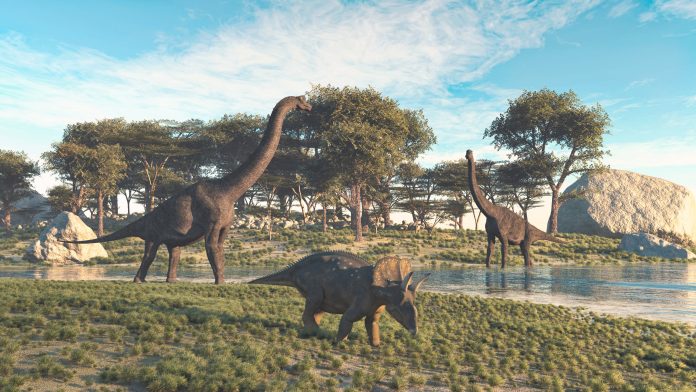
x=617, y=202
x=646, y=244
x=65, y=226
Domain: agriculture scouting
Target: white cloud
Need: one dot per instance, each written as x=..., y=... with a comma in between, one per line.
x=690, y=101
x=639, y=83
x=654, y=153
x=679, y=8
x=408, y=50
x=621, y=8
x=647, y=16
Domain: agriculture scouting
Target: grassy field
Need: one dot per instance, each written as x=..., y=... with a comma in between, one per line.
x=199, y=337
x=442, y=248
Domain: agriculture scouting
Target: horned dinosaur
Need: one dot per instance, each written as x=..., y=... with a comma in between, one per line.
x=503, y=223
x=343, y=283
x=206, y=208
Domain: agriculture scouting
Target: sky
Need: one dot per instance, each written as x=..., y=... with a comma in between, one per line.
x=67, y=62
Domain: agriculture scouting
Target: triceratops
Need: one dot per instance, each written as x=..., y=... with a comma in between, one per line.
x=343, y=283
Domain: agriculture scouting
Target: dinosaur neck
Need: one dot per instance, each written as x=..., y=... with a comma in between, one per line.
x=482, y=203
x=237, y=182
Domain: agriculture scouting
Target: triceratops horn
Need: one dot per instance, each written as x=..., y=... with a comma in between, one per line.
x=406, y=281
x=414, y=287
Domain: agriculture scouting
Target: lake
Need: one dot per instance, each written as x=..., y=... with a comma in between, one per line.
x=660, y=291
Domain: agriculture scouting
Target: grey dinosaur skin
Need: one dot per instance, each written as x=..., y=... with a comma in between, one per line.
x=343, y=283
x=204, y=209
x=503, y=223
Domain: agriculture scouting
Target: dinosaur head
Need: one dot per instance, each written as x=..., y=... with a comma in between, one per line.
x=469, y=155
x=392, y=282
x=302, y=104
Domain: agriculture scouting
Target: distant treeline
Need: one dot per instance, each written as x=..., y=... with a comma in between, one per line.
x=356, y=151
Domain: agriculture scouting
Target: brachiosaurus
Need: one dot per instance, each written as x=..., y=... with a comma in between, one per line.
x=503, y=223
x=206, y=208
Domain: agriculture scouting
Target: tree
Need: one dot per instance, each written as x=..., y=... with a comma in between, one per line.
x=16, y=173
x=451, y=178
x=554, y=132
x=60, y=197
x=68, y=161
x=362, y=136
x=107, y=165
x=418, y=195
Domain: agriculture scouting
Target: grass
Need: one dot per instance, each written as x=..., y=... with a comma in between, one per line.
x=444, y=248
x=199, y=337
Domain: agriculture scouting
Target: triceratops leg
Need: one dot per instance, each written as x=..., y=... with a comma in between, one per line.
x=372, y=327
x=346, y=325
x=312, y=308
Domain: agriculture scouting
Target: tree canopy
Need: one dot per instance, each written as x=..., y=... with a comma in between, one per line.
x=556, y=133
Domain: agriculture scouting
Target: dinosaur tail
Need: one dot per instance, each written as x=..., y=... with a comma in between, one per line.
x=131, y=230
x=280, y=278
x=549, y=237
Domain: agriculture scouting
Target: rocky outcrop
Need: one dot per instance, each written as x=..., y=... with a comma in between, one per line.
x=617, y=202
x=65, y=226
x=31, y=209
x=650, y=245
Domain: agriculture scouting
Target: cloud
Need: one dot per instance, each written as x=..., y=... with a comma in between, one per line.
x=411, y=51
x=647, y=17
x=621, y=8
x=690, y=101
x=639, y=83
x=654, y=153
x=680, y=8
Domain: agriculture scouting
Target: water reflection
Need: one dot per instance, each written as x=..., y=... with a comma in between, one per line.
x=664, y=291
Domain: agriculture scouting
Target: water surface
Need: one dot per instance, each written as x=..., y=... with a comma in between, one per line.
x=661, y=291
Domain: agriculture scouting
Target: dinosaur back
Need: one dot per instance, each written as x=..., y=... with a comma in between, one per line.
x=318, y=261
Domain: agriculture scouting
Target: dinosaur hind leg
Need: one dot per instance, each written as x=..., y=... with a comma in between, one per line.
x=503, y=251
x=490, y=249
x=174, y=254
x=148, y=257
x=311, y=310
x=524, y=247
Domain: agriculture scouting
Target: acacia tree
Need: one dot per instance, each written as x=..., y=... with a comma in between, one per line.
x=107, y=165
x=451, y=178
x=16, y=173
x=362, y=136
x=67, y=160
x=554, y=132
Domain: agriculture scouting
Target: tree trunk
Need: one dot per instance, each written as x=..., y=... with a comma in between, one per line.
x=552, y=226
x=241, y=205
x=365, y=214
x=460, y=222
x=7, y=218
x=357, y=209
x=324, y=224
x=114, y=204
x=100, y=213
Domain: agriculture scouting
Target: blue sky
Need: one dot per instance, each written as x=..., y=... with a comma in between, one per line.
x=64, y=62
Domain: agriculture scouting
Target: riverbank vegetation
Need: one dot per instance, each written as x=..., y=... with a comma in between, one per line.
x=199, y=337
x=444, y=248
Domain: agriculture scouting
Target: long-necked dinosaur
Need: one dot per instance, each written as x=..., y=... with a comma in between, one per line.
x=206, y=208
x=503, y=223
x=343, y=283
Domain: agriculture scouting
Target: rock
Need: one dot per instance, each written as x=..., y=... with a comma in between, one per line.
x=31, y=209
x=646, y=244
x=617, y=202
x=65, y=226
x=288, y=224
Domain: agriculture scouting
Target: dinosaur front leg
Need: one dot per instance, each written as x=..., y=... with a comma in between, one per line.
x=346, y=324
x=372, y=327
x=174, y=254
x=524, y=247
x=148, y=257
x=214, y=255
x=503, y=250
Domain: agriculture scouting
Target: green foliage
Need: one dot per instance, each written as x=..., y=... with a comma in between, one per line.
x=16, y=173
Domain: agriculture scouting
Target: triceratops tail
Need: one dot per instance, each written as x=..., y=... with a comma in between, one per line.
x=131, y=230
x=280, y=278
